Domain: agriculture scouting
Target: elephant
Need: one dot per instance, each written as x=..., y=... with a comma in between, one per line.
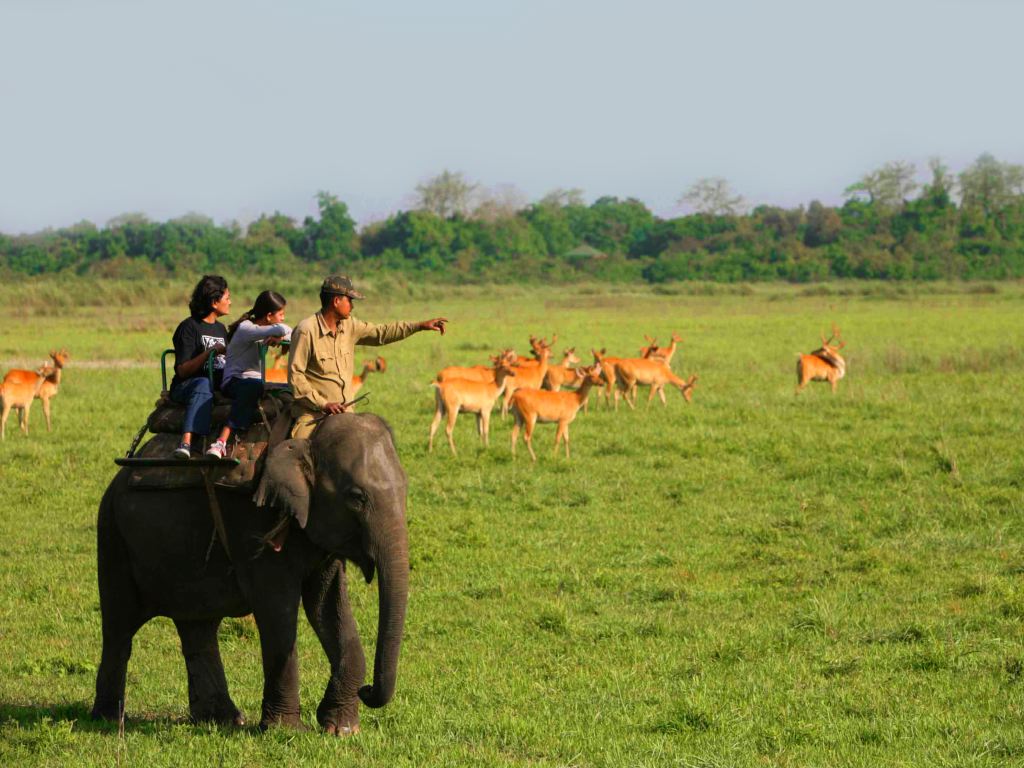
x=339, y=497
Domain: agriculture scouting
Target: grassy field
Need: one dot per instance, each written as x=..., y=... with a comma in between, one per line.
x=752, y=579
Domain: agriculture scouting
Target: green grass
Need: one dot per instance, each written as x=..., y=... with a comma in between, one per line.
x=753, y=579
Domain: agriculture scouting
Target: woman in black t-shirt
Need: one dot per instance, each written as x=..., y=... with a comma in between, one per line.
x=194, y=338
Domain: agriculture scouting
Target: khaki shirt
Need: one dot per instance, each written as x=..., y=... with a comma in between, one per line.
x=321, y=361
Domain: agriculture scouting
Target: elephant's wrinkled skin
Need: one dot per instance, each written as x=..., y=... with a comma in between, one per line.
x=347, y=492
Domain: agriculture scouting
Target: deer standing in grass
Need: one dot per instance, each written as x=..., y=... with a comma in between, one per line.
x=531, y=376
x=654, y=352
x=51, y=384
x=563, y=373
x=532, y=405
x=20, y=387
x=17, y=391
x=630, y=373
x=479, y=397
x=609, y=372
x=823, y=364
x=375, y=366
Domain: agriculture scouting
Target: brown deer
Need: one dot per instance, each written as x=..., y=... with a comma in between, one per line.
x=530, y=376
x=479, y=397
x=51, y=385
x=563, y=373
x=631, y=372
x=537, y=346
x=823, y=364
x=370, y=366
x=653, y=351
x=17, y=391
x=532, y=405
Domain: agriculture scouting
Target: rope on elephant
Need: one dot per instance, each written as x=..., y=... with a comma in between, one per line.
x=215, y=513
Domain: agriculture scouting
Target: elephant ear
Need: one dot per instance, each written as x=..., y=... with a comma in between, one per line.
x=288, y=480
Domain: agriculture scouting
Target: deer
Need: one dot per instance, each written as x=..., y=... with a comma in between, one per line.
x=538, y=346
x=530, y=376
x=51, y=384
x=563, y=373
x=378, y=365
x=532, y=405
x=609, y=366
x=17, y=391
x=653, y=372
x=479, y=397
x=823, y=364
x=654, y=352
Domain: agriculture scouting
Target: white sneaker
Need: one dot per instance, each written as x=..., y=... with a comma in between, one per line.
x=217, y=449
x=183, y=451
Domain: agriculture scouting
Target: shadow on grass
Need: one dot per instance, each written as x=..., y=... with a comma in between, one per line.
x=35, y=715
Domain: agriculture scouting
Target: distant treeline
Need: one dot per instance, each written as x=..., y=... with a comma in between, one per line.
x=968, y=227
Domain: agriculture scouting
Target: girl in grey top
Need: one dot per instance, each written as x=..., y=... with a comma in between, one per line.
x=242, y=380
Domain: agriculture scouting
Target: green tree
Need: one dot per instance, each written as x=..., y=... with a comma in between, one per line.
x=333, y=237
x=823, y=225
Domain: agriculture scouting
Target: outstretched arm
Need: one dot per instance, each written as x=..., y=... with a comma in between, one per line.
x=373, y=335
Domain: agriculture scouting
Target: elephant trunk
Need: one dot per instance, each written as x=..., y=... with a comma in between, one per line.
x=393, y=589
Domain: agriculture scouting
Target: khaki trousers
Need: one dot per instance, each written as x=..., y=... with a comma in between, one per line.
x=304, y=425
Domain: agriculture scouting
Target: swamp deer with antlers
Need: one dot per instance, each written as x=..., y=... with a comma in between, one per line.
x=532, y=405
x=823, y=364
x=479, y=397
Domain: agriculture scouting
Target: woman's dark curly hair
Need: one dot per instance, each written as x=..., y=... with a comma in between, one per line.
x=207, y=291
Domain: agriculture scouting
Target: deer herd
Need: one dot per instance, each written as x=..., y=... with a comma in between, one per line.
x=534, y=390
x=531, y=389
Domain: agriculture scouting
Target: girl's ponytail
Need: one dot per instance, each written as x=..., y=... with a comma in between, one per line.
x=234, y=326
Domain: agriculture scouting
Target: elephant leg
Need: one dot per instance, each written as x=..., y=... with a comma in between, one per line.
x=208, y=698
x=277, y=624
x=123, y=614
x=325, y=599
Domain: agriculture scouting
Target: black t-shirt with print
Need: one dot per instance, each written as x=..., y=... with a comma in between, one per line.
x=192, y=337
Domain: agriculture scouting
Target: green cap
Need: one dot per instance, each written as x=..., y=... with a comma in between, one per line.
x=340, y=285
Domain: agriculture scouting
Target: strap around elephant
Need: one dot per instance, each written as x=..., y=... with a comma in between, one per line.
x=215, y=513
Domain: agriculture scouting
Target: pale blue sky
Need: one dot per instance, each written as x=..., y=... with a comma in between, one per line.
x=236, y=108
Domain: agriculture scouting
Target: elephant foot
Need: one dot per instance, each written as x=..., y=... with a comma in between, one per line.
x=341, y=721
x=106, y=710
x=227, y=715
